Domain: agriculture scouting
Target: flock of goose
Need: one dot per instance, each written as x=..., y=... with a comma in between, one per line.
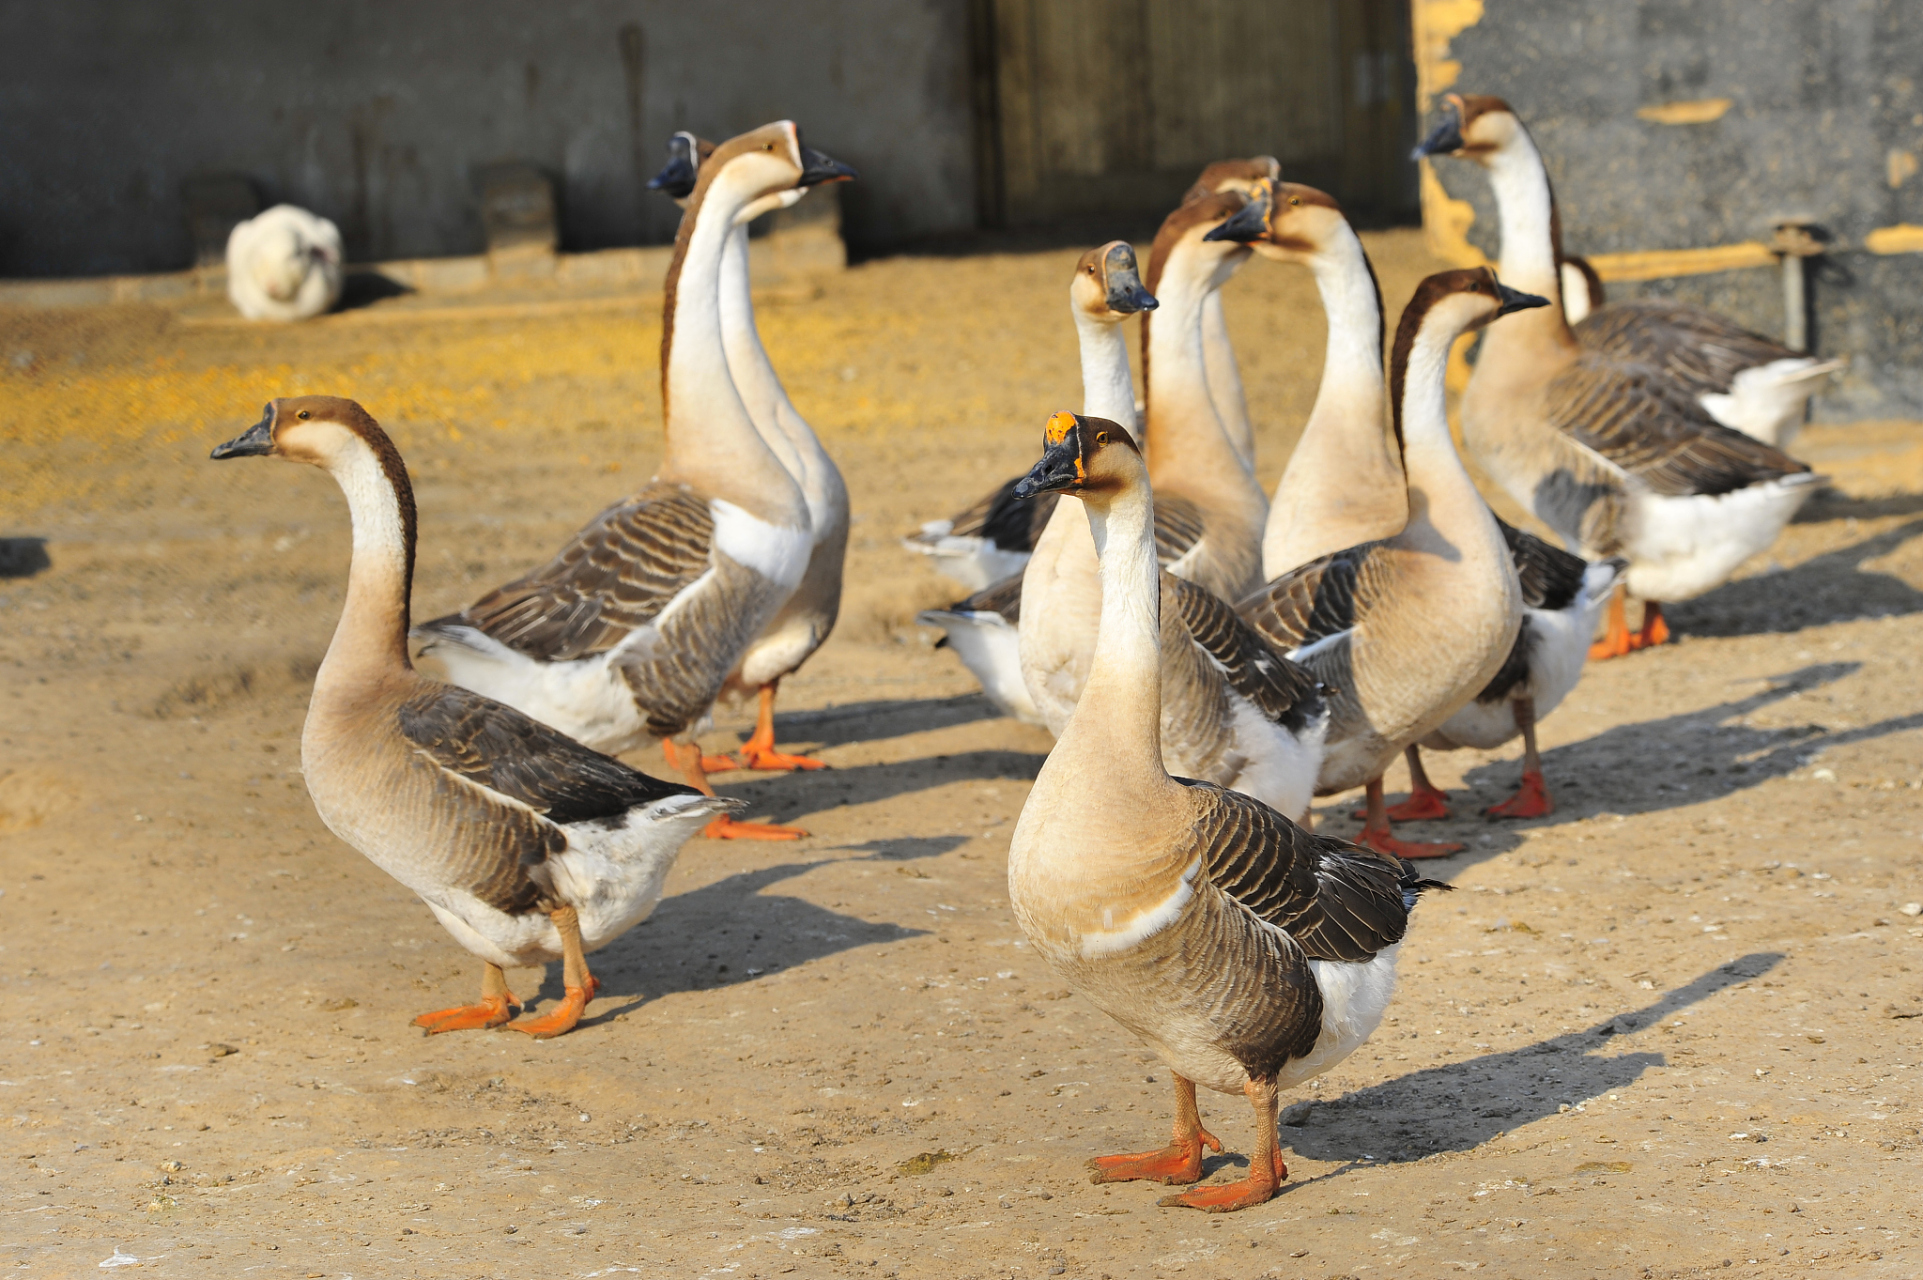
x=1207, y=659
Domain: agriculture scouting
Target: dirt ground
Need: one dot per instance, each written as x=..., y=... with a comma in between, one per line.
x=1672, y=1030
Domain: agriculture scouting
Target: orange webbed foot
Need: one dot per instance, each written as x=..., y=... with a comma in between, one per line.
x=1532, y=800
x=727, y=828
x=1255, y=1189
x=492, y=1011
x=1383, y=841
x=720, y=764
x=1655, y=631
x=564, y=1017
x=769, y=760
x=1425, y=804
x=1174, y=1165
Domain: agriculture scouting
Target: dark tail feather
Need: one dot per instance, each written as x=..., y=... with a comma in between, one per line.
x=1414, y=885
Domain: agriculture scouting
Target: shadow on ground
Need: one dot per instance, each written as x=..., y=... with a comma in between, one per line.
x=887, y=718
x=1832, y=587
x=788, y=797
x=1464, y=1104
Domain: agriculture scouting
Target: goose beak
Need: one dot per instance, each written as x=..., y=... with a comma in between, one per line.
x=1060, y=469
x=1516, y=300
x=1445, y=138
x=256, y=442
x=1251, y=222
x=817, y=169
x=1125, y=292
x=676, y=177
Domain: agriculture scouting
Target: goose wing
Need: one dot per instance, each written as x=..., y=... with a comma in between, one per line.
x=1337, y=900
x=1695, y=347
x=1178, y=527
x=1011, y=523
x=1551, y=577
x=521, y=760
x=1313, y=601
x=1650, y=428
x=1004, y=597
x=614, y=576
x=1283, y=691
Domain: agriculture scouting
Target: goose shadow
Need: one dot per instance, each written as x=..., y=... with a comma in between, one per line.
x=882, y=718
x=1465, y=1104
x=791, y=796
x=1833, y=504
x=1832, y=587
x=1651, y=766
x=24, y=557
x=721, y=935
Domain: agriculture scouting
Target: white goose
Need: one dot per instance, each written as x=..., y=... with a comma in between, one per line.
x=631, y=631
x=1613, y=454
x=1225, y=374
x=284, y=264
x=809, y=615
x=1247, y=953
x=527, y=846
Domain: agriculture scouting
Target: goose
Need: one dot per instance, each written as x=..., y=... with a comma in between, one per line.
x=1194, y=466
x=284, y=264
x=805, y=621
x=1344, y=486
x=631, y=631
x=527, y=846
x=1224, y=373
x=1405, y=630
x=1747, y=382
x=984, y=630
x=1615, y=456
x=1247, y=953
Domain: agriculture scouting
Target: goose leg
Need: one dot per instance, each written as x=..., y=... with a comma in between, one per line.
x=1532, y=799
x=1655, y=631
x=579, y=983
x=688, y=761
x=1616, y=639
x=1266, y=1170
x=1426, y=800
x=492, y=1011
x=1376, y=834
x=758, y=752
x=1177, y=1164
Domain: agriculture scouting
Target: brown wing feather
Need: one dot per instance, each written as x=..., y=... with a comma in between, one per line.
x=1282, y=691
x=1655, y=431
x=613, y=576
x=1312, y=601
x=1698, y=349
x=1338, y=901
x=1178, y=527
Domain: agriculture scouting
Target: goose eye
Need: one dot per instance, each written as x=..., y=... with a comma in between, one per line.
x=1295, y=200
x=301, y=414
x=1101, y=437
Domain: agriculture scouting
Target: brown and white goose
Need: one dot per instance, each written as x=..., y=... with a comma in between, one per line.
x=1615, y=455
x=1247, y=953
x=805, y=620
x=1344, y=486
x=1408, y=629
x=1225, y=373
x=631, y=631
x=527, y=846
x=1195, y=467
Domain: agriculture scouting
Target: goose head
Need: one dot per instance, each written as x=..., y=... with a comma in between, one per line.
x=1091, y=458
x=686, y=155
x=1474, y=126
x=769, y=161
x=1286, y=221
x=1451, y=303
x=1107, y=286
x=318, y=430
x=1234, y=175
x=1187, y=230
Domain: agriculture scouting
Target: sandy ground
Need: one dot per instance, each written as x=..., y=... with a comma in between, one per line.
x=1672, y=1030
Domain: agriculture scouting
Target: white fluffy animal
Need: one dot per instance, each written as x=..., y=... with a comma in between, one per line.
x=284, y=264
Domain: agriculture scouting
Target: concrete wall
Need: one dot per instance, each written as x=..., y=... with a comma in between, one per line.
x=1693, y=124
x=377, y=113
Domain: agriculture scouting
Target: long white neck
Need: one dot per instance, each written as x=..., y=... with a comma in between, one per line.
x=712, y=440
x=1119, y=716
x=1523, y=202
x=1344, y=483
x=371, y=639
x=1107, y=389
x=1440, y=490
x=1186, y=441
x=1225, y=378
x=754, y=374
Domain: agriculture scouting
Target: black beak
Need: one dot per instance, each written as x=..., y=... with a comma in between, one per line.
x=1059, y=471
x=1125, y=292
x=1445, y=138
x=256, y=442
x=1251, y=222
x=817, y=168
x=1516, y=299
